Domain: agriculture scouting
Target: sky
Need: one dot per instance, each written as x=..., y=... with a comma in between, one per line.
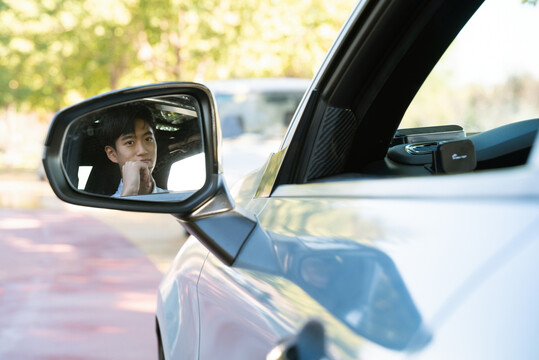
x=501, y=39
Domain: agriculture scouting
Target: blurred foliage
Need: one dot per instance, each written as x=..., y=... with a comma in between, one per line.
x=475, y=107
x=56, y=52
x=493, y=83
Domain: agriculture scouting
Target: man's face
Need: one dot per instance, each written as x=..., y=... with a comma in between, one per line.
x=138, y=146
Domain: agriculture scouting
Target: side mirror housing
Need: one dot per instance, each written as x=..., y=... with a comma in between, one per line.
x=74, y=144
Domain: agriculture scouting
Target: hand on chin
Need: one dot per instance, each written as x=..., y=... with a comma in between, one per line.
x=137, y=178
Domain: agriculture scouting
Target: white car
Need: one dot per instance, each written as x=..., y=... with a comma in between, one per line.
x=255, y=114
x=376, y=230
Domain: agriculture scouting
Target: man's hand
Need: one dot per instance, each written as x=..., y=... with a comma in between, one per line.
x=137, y=178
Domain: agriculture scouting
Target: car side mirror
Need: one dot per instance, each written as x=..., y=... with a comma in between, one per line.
x=177, y=150
x=174, y=131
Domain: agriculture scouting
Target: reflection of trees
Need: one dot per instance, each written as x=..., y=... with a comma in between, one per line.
x=305, y=218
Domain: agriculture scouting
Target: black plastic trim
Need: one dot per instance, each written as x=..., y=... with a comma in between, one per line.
x=294, y=164
x=224, y=234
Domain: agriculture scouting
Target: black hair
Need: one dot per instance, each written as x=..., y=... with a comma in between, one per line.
x=120, y=120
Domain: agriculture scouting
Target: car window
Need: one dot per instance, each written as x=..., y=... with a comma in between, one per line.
x=489, y=76
x=475, y=111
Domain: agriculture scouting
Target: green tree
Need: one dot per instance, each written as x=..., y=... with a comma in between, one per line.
x=57, y=52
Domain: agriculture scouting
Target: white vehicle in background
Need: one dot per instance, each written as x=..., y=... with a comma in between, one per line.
x=255, y=114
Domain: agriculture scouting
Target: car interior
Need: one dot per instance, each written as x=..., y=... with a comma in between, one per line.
x=177, y=134
x=504, y=146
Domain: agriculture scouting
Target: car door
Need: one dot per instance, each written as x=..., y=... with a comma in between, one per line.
x=380, y=261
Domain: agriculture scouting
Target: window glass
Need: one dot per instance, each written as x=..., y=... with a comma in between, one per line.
x=489, y=76
x=84, y=173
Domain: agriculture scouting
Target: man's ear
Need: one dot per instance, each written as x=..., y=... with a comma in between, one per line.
x=111, y=154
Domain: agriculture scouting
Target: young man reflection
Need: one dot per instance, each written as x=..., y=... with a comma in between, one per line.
x=129, y=136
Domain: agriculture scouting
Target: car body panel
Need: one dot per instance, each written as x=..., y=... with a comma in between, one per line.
x=177, y=303
x=429, y=247
x=262, y=310
x=501, y=322
x=299, y=264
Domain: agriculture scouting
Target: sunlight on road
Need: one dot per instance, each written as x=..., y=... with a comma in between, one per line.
x=136, y=301
x=71, y=285
x=29, y=246
x=19, y=223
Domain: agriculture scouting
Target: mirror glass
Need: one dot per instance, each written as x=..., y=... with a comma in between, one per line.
x=148, y=149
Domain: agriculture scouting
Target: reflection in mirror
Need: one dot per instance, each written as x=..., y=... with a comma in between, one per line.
x=138, y=149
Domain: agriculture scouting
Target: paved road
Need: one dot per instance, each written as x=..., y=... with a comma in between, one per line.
x=80, y=284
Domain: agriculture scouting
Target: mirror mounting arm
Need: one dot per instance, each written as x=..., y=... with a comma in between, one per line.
x=218, y=219
x=231, y=228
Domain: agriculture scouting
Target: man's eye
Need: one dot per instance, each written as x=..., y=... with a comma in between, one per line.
x=130, y=142
x=150, y=139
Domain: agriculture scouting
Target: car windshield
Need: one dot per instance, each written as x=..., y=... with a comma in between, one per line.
x=489, y=76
